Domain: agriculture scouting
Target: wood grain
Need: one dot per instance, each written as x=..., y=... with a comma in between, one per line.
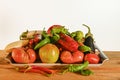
x=110, y=70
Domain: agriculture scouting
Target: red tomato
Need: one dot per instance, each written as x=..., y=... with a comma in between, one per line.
x=53, y=26
x=68, y=57
x=92, y=58
x=20, y=55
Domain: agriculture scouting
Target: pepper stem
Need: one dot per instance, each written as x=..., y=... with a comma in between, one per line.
x=89, y=32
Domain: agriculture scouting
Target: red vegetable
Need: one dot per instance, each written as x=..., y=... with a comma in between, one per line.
x=31, y=70
x=75, y=57
x=47, y=70
x=36, y=69
x=92, y=58
x=22, y=55
x=68, y=43
x=34, y=40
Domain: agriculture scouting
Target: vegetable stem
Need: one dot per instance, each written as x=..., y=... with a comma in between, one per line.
x=89, y=32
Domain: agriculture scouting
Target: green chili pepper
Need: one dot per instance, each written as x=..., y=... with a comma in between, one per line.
x=75, y=68
x=46, y=39
x=79, y=69
x=85, y=72
x=54, y=38
x=89, y=32
x=77, y=35
x=55, y=31
x=73, y=34
x=84, y=48
x=44, y=34
x=89, y=41
x=61, y=29
x=42, y=43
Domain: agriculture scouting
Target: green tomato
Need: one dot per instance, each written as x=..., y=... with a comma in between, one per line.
x=49, y=53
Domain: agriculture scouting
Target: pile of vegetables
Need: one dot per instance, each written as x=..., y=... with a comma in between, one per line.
x=57, y=45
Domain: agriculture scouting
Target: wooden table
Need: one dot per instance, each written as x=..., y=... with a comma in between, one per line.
x=110, y=70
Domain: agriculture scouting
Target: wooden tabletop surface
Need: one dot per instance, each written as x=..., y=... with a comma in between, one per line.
x=110, y=70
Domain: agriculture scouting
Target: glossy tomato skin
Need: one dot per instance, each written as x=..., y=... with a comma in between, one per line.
x=66, y=57
x=78, y=56
x=21, y=55
x=75, y=57
x=32, y=55
x=49, y=53
x=92, y=58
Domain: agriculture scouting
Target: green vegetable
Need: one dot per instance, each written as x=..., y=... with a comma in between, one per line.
x=77, y=35
x=85, y=72
x=89, y=41
x=61, y=29
x=84, y=48
x=73, y=34
x=75, y=68
x=79, y=69
x=89, y=32
x=44, y=34
x=55, y=31
x=42, y=43
x=54, y=38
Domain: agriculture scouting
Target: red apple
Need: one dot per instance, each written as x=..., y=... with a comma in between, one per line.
x=75, y=57
x=21, y=55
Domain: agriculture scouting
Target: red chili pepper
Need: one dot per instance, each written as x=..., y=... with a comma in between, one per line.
x=33, y=71
x=30, y=70
x=36, y=39
x=31, y=41
x=36, y=69
x=68, y=43
x=47, y=70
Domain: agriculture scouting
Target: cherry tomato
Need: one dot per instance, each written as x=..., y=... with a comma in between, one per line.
x=92, y=58
x=75, y=57
x=21, y=55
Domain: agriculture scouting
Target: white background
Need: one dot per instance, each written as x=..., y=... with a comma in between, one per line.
x=103, y=16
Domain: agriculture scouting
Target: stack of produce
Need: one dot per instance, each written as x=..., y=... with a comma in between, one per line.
x=55, y=45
